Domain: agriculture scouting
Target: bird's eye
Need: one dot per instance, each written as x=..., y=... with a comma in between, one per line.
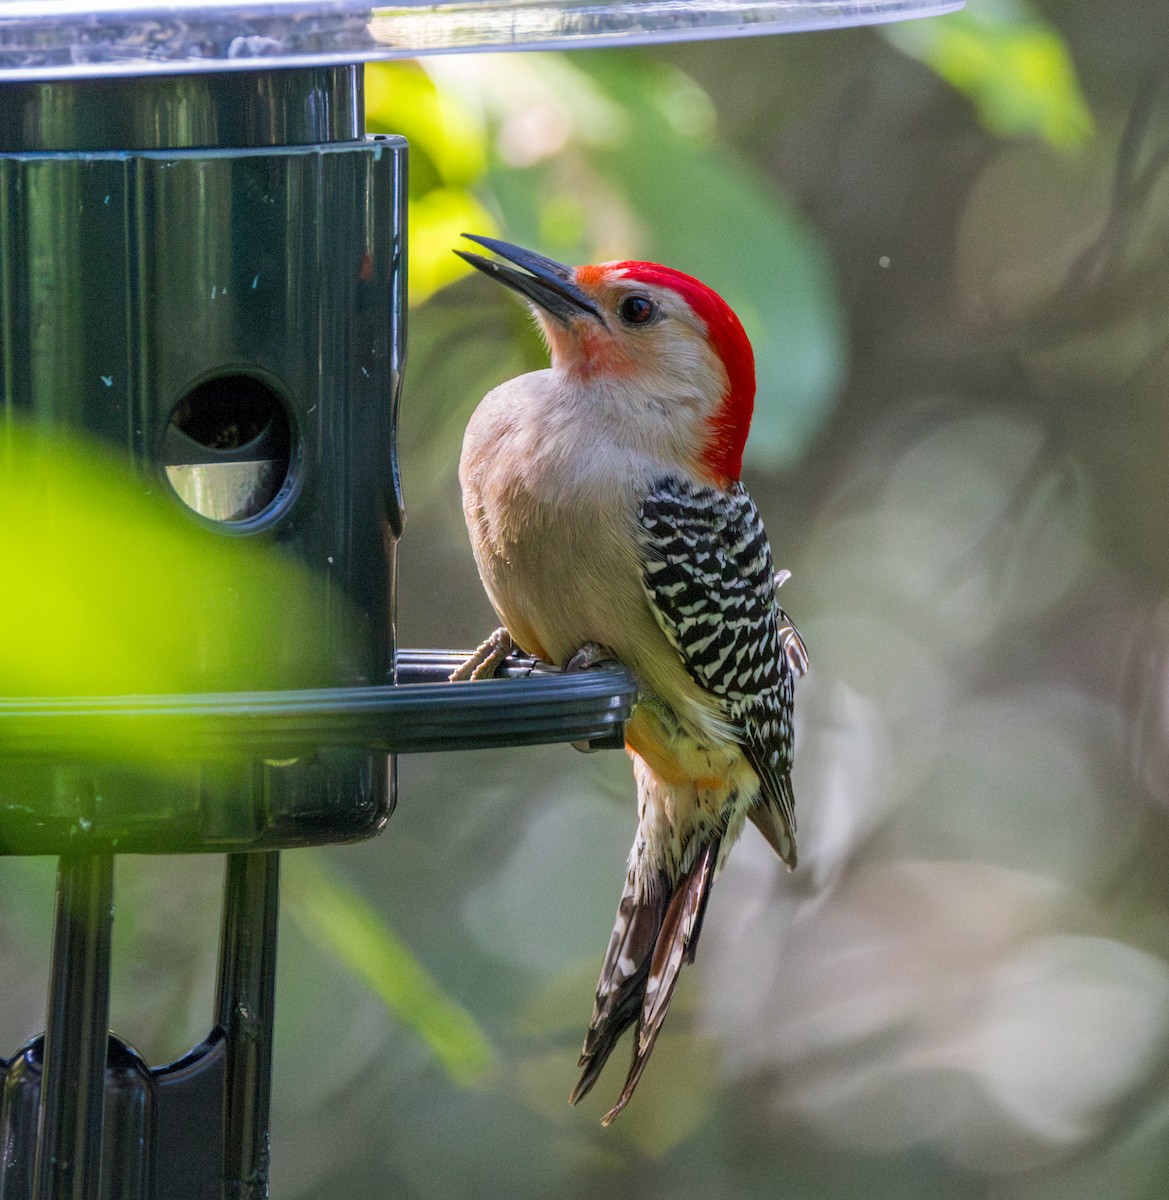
x=636, y=310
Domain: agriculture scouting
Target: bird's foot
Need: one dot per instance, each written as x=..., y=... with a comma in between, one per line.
x=485, y=661
x=589, y=655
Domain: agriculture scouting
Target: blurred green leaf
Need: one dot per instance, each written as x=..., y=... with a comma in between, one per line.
x=447, y=135
x=110, y=590
x=448, y=155
x=1011, y=63
x=334, y=916
x=437, y=220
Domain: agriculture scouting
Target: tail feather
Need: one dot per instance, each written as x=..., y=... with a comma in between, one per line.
x=651, y=941
x=621, y=986
x=675, y=945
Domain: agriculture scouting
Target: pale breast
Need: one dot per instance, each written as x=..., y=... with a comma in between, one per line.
x=553, y=526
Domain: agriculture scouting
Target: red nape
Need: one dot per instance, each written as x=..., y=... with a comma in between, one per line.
x=724, y=455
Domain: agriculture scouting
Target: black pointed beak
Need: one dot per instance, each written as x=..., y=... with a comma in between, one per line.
x=545, y=282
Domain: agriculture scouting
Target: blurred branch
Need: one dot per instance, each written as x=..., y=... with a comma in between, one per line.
x=1124, y=271
x=1133, y=185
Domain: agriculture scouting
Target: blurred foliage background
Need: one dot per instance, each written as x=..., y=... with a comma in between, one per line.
x=947, y=240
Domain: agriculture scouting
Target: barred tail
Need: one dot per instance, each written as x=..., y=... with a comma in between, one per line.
x=652, y=939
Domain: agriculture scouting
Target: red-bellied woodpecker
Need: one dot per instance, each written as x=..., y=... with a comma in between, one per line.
x=607, y=518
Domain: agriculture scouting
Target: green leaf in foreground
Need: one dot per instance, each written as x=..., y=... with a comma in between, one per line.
x=340, y=921
x=110, y=589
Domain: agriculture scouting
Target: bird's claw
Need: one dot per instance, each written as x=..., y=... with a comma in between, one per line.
x=486, y=660
x=589, y=655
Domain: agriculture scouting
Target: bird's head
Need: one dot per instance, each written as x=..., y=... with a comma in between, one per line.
x=659, y=344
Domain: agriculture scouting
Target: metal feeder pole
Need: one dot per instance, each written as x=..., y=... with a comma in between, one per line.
x=72, y=1105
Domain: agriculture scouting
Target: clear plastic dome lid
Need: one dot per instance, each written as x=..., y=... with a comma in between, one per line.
x=59, y=39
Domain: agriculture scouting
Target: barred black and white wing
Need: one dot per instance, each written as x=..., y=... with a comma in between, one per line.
x=709, y=577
